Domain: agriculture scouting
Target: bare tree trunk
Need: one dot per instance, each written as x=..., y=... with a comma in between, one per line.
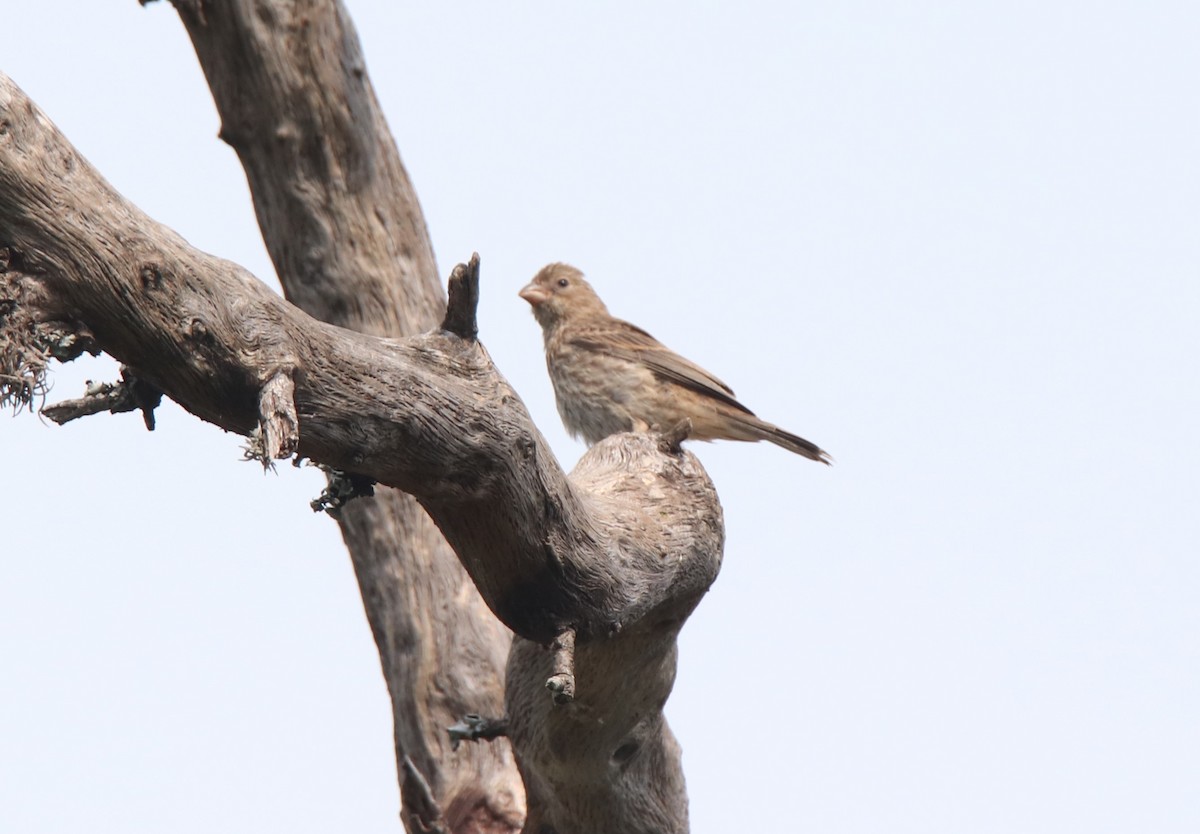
x=603, y=567
x=346, y=234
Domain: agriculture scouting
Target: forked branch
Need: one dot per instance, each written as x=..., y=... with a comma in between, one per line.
x=616, y=555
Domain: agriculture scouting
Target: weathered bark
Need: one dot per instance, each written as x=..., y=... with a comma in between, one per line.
x=617, y=554
x=348, y=240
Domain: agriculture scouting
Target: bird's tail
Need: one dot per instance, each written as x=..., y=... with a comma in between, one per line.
x=789, y=441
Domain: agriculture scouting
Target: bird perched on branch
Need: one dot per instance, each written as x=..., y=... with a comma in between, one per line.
x=610, y=376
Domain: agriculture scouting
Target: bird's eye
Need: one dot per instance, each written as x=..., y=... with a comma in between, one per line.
x=563, y=282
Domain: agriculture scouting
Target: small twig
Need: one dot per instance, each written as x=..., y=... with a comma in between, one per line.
x=277, y=421
x=116, y=397
x=476, y=728
x=463, y=300
x=98, y=397
x=669, y=441
x=562, y=680
x=20, y=390
x=417, y=798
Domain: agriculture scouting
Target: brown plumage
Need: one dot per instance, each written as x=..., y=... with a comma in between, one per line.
x=610, y=376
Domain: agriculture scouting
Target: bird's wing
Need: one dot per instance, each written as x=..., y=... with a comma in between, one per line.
x=629, y=342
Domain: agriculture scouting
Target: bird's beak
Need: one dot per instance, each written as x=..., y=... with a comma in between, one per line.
x=534, y=294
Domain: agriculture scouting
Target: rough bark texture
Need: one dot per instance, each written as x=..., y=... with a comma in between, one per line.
x=348, y=240
x=619, y=553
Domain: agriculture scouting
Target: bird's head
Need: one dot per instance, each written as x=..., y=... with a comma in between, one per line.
x=558, y=292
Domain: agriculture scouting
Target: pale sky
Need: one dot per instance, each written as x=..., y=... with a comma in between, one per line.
x=957, y=245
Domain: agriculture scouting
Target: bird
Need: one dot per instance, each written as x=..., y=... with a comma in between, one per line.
x=610, y=376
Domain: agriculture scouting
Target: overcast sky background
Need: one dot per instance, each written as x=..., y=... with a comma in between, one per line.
x=957, y=245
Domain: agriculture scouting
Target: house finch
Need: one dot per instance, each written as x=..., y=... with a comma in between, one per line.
x=610, y=376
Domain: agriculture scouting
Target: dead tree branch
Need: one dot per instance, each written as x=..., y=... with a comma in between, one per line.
x=618, y=553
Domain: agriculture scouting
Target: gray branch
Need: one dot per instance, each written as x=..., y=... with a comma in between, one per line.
x=128, y=394
x=618, y=553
